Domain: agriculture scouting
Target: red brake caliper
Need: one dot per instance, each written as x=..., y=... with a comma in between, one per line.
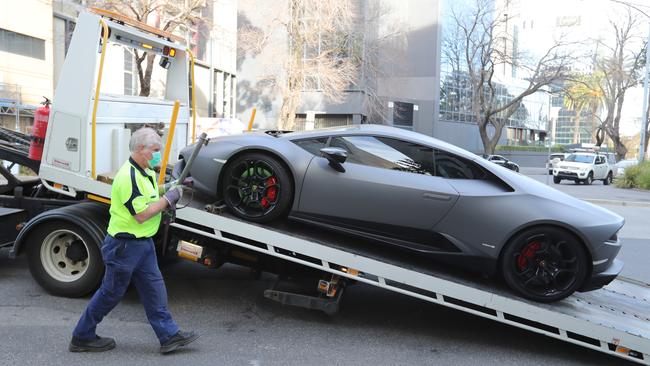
x=527, y=254
x=271, y=192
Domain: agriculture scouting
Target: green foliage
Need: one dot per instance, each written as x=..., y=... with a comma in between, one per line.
x=556, y=148
x=637, y=176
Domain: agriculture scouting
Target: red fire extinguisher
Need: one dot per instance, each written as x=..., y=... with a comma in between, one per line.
x=41, y=117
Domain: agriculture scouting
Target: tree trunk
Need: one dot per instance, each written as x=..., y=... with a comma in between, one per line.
x=576, y=128
x=621, y=150
x=489, y=144
x=145, y=80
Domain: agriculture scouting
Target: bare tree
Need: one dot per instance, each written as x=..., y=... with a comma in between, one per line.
x=167, y=15
x=328, y=51
x=620, y=68
x=478, y=48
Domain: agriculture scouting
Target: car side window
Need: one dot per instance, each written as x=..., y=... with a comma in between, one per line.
x=312, y=145
x=387, y=153
x=448, y=165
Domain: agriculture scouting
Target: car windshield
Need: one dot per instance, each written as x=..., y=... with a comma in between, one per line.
x=589, y=159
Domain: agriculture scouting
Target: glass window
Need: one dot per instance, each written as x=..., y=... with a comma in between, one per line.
x=21, y=44
x=403, y=114
x=448, y=165
x=387, y=153
x=312, y=145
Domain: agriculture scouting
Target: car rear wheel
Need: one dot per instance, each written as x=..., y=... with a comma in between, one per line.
x=608, y=180
x=257, y=187
x=544, y=264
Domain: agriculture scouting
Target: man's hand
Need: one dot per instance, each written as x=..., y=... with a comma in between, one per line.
x=172, y=197
x=187, y=183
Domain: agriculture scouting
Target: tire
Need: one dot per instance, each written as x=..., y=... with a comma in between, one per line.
x=50, y=247
x=589, y=179
x=557, y=180
x=257, y=187
x=544, y=264
x=607, y=181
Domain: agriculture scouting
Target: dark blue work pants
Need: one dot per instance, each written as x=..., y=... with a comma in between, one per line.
x=128, y=260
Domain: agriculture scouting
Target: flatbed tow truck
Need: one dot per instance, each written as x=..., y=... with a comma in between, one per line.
x=59, y=218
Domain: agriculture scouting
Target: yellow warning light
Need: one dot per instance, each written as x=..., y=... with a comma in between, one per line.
x=172, y=52
x=147, y=46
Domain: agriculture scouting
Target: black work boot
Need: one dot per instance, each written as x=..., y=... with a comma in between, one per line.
x=180, y=339
x=99, y=344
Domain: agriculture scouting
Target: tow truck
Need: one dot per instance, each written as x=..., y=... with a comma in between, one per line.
x=58, y=218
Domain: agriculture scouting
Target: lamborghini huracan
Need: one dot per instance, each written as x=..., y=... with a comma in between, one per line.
x=405, y=189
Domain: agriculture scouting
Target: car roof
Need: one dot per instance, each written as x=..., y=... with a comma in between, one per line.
x=381, y=130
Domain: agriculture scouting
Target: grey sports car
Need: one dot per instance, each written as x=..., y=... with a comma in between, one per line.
x=413, y=191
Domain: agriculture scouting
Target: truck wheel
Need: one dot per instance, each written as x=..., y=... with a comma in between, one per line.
x=608, y=180
x=64, y=259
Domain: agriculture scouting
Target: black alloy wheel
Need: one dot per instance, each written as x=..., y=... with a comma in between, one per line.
x=257, y=187
x=544, y=264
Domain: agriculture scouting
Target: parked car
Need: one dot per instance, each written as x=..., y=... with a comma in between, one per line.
x=624, y=164
x=500, y=160
x=554, y=159
x=420, y=194
x=585, y=167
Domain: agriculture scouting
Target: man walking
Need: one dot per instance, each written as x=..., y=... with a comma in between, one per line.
x=129, y=253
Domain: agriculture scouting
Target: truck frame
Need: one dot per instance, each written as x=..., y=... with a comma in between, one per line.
x=59, y=220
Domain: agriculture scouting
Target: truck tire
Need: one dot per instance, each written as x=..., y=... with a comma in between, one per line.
x=65, y=259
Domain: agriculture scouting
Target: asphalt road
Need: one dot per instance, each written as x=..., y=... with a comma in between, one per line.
x=240, y=327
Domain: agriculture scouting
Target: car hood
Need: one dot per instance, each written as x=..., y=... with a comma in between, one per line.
x=572, y=164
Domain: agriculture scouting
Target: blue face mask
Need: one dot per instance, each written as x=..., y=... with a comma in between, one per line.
x=155, y=159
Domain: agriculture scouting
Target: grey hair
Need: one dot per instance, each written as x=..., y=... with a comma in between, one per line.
x=144, y=137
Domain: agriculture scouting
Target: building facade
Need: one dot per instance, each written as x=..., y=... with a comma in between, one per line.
x=26, y=60
x=35, y=36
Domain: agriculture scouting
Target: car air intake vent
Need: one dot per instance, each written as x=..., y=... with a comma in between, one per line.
x=277, y=133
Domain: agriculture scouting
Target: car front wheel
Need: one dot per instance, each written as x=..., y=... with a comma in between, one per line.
x=589, y=179
x=544, y=264
x=557, y=180
x=257, y=187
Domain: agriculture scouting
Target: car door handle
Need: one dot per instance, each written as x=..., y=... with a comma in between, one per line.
x=436, y=196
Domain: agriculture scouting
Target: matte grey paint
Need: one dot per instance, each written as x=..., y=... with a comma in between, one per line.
x=479, y=216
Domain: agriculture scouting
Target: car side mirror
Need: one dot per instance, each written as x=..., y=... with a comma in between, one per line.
x=336, y=156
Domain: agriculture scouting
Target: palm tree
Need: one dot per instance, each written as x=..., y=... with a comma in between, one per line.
x=584, y=93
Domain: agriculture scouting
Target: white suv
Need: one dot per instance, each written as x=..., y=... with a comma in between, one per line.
x=584, y=167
